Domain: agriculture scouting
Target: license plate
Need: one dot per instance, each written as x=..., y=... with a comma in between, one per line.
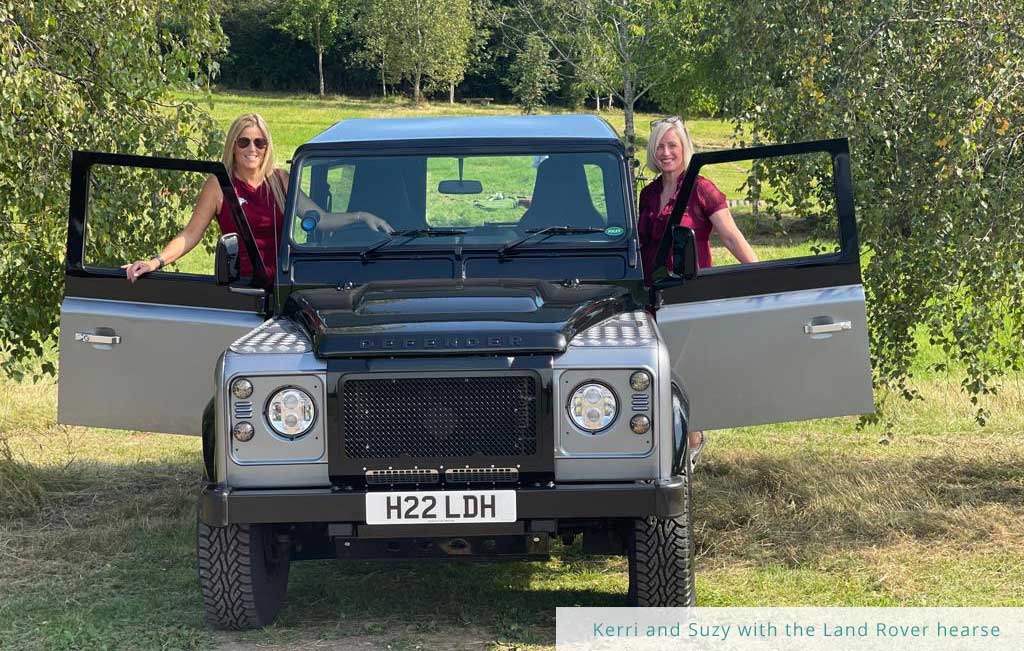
x=437, y=507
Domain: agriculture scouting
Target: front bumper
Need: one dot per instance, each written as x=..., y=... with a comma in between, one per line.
x=220, y=505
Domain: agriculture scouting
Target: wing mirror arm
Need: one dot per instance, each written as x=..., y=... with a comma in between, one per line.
x=682, y=265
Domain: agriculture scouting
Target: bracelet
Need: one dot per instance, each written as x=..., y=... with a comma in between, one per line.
x=160, y=260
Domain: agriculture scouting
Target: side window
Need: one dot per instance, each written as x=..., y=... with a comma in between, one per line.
x=133, y=212
x=596, y=184
x=784, y=206
x=339, y=186
x=329, y=185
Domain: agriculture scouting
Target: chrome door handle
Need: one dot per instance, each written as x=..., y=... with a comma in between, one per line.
x=90, y=338
x=826, y=328
x=248, y=291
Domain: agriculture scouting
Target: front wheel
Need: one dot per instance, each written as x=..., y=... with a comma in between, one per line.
x=243, y=574
x=661, y=572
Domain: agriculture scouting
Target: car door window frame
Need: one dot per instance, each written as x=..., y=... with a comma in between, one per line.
x=158, y=287
x=774, y=276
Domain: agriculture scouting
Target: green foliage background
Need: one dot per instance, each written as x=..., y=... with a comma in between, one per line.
x=88, y=76
x=931, y=96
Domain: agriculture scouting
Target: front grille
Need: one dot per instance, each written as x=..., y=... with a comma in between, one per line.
x=481, y=475
x=439, y=417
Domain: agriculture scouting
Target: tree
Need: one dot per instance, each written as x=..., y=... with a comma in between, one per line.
x=320, y=22
x=533, y=74
x=418, y=40
x=596, y=37
x=931, y=96
x=93, y=76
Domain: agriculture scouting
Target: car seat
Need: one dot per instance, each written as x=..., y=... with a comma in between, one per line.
x=561, y=197
x=381, y=187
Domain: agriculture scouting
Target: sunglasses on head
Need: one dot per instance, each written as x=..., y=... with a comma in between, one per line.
x=243, y=142
x=668, y=120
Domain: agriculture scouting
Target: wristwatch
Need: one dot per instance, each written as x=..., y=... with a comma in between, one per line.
x=160, y=260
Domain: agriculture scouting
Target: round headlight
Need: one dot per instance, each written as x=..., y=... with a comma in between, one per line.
x=593, y=407
x=640, y=381
x=241, y=388
x=291, y=412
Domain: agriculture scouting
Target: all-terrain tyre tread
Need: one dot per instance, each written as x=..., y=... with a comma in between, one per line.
x=661, y=558
x=228, y=574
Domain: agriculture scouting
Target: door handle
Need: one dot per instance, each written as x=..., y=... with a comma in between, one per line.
x=826, y=328
x=91, y=338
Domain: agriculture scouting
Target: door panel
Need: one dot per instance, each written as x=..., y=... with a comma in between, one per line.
x=780, y=340
x=141, y=356
x=141, y=366
x=749, y=361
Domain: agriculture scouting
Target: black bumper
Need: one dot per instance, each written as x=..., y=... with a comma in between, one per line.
x=220, y=506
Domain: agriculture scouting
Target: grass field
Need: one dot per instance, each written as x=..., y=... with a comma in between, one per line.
x=811, y=513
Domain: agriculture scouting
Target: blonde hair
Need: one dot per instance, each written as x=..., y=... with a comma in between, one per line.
x=268, y=171
x=658, y=131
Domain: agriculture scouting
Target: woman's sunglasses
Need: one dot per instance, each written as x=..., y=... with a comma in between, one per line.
x=668, y=120
x=243, y=142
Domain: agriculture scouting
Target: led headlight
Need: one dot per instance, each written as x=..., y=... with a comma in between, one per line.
x=291, y=412
x=593, y=407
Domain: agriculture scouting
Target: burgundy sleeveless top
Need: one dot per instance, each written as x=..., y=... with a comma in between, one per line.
x=265, y=219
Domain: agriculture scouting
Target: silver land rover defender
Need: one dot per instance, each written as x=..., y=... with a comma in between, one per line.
x=492, y=375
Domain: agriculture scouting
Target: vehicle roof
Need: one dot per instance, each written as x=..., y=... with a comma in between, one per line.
x=504, y=127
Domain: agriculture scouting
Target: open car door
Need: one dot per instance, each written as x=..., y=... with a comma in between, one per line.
x=785, y=338
x=141, y=356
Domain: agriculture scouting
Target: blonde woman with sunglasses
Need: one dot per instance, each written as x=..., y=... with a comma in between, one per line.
x=669, y=150
x=261, y=188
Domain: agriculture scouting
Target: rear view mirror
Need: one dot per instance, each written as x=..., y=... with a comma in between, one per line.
x=461, y=186
x=684, y=253
x=225, y=261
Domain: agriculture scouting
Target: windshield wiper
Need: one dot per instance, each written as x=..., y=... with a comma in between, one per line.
x=369, y=251
x=549, y=231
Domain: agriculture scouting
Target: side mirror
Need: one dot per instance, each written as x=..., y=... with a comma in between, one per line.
x=225, y=261
x=684, y=253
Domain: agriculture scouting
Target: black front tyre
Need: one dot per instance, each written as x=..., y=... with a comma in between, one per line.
x=243, y=575
x=661, y=572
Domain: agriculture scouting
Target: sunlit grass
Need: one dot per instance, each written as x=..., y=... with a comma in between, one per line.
x=810, y=513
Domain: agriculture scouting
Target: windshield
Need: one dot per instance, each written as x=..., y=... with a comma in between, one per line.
x=478, y=201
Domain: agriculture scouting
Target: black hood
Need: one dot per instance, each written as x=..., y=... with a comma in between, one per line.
x=445, y=317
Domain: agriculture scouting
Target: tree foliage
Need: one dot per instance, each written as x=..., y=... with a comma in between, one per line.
x=423, y=41
x=532, y=75
x=89, y=76
x=619, y=45
x=319, y=22
x=931, y=96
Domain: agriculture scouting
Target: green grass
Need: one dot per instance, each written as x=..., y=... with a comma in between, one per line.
x=811, y=513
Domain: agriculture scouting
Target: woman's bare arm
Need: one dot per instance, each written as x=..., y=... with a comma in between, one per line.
x=336, y=220
x=732, y=237
x=207, y=205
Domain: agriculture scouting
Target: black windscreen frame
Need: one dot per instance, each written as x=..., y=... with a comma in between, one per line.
x=166, y=288
x=832, y=270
